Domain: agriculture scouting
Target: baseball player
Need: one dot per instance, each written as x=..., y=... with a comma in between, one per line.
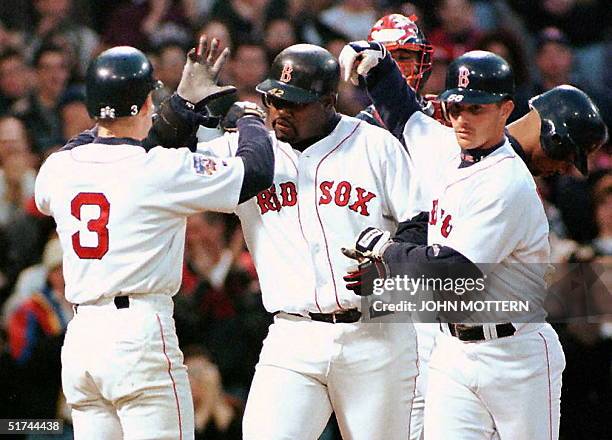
x=334, y=175
x=484, y=379
x=121, y=216
x=564, y=113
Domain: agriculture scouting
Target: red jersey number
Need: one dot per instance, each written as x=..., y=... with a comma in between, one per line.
x=97, y=225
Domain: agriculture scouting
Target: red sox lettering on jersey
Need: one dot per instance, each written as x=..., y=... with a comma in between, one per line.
x=445, y=219
x=341, y=194
x=317, y=205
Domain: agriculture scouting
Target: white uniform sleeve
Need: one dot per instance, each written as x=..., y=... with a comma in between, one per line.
x=192, y=182
x=223, y=146
x=492, y=225
x=431, y=146
x=42, y=190
x=399, y=183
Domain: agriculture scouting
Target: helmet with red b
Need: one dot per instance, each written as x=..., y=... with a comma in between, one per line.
x=407, y=45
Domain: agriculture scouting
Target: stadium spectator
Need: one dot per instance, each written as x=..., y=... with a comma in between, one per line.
x=601, y=195
x=279, y=34
x=17, y=173
x=437, y=78
x=351, y=18
x=248, y=67
x=583, y=21
x=73, y=112
x=219, y=305
x=306, y=18
x=506, y=45
x=171, y=56
x=218, y=416
x=134, y=22
x=457, y=32
x=555, y=66
x=244, y=18
x=54, y=24
x=15, y=80
x=219, y=30
x=35, y=336
x=40, y=111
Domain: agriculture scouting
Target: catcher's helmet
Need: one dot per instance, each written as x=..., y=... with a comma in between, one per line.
x=478, y=77
x=400, y=33
x=302, y=73
x=118, y=82
x=571, y=125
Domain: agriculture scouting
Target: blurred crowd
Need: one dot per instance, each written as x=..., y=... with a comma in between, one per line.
x=45, y=47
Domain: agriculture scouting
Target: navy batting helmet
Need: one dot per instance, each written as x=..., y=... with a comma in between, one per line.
x=571, y=125
x=302, y=73
x=118, y=82
x=478, y=77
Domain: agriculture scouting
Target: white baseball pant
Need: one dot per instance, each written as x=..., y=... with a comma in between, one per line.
x=123, y=373
x=507, y=388
x=364, y=372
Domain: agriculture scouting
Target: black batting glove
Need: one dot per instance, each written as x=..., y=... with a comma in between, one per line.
x=239, y=110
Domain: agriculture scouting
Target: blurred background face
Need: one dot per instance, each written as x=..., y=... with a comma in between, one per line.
x=53, y=7
x=52, y=71
x=456, y=16
x=554, y=60
x=249, y=66
x=218, y=30
x=279, y=35
x=13, y=138
x=14, y=77
x=171, y=62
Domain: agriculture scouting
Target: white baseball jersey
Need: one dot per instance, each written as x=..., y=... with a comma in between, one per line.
x=490, y=211
x=358, y=176
x=121, y=213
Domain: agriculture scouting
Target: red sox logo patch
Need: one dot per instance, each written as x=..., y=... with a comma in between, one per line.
x=464, y=77
x=286, y=73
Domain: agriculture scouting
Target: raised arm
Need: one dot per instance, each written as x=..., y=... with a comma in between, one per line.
x=394, y=100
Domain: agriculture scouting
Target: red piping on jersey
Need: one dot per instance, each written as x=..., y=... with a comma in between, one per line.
x=414, y=391
x=479, y=170
x=319, y=217
x=297, y=203
x=178, y=406
x=550, y=427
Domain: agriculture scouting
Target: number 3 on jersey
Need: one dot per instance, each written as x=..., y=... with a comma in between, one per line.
x=97, y=225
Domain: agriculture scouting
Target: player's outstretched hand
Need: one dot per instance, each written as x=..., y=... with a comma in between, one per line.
x=201, y=72
x=239, y=110
x=358, y=58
